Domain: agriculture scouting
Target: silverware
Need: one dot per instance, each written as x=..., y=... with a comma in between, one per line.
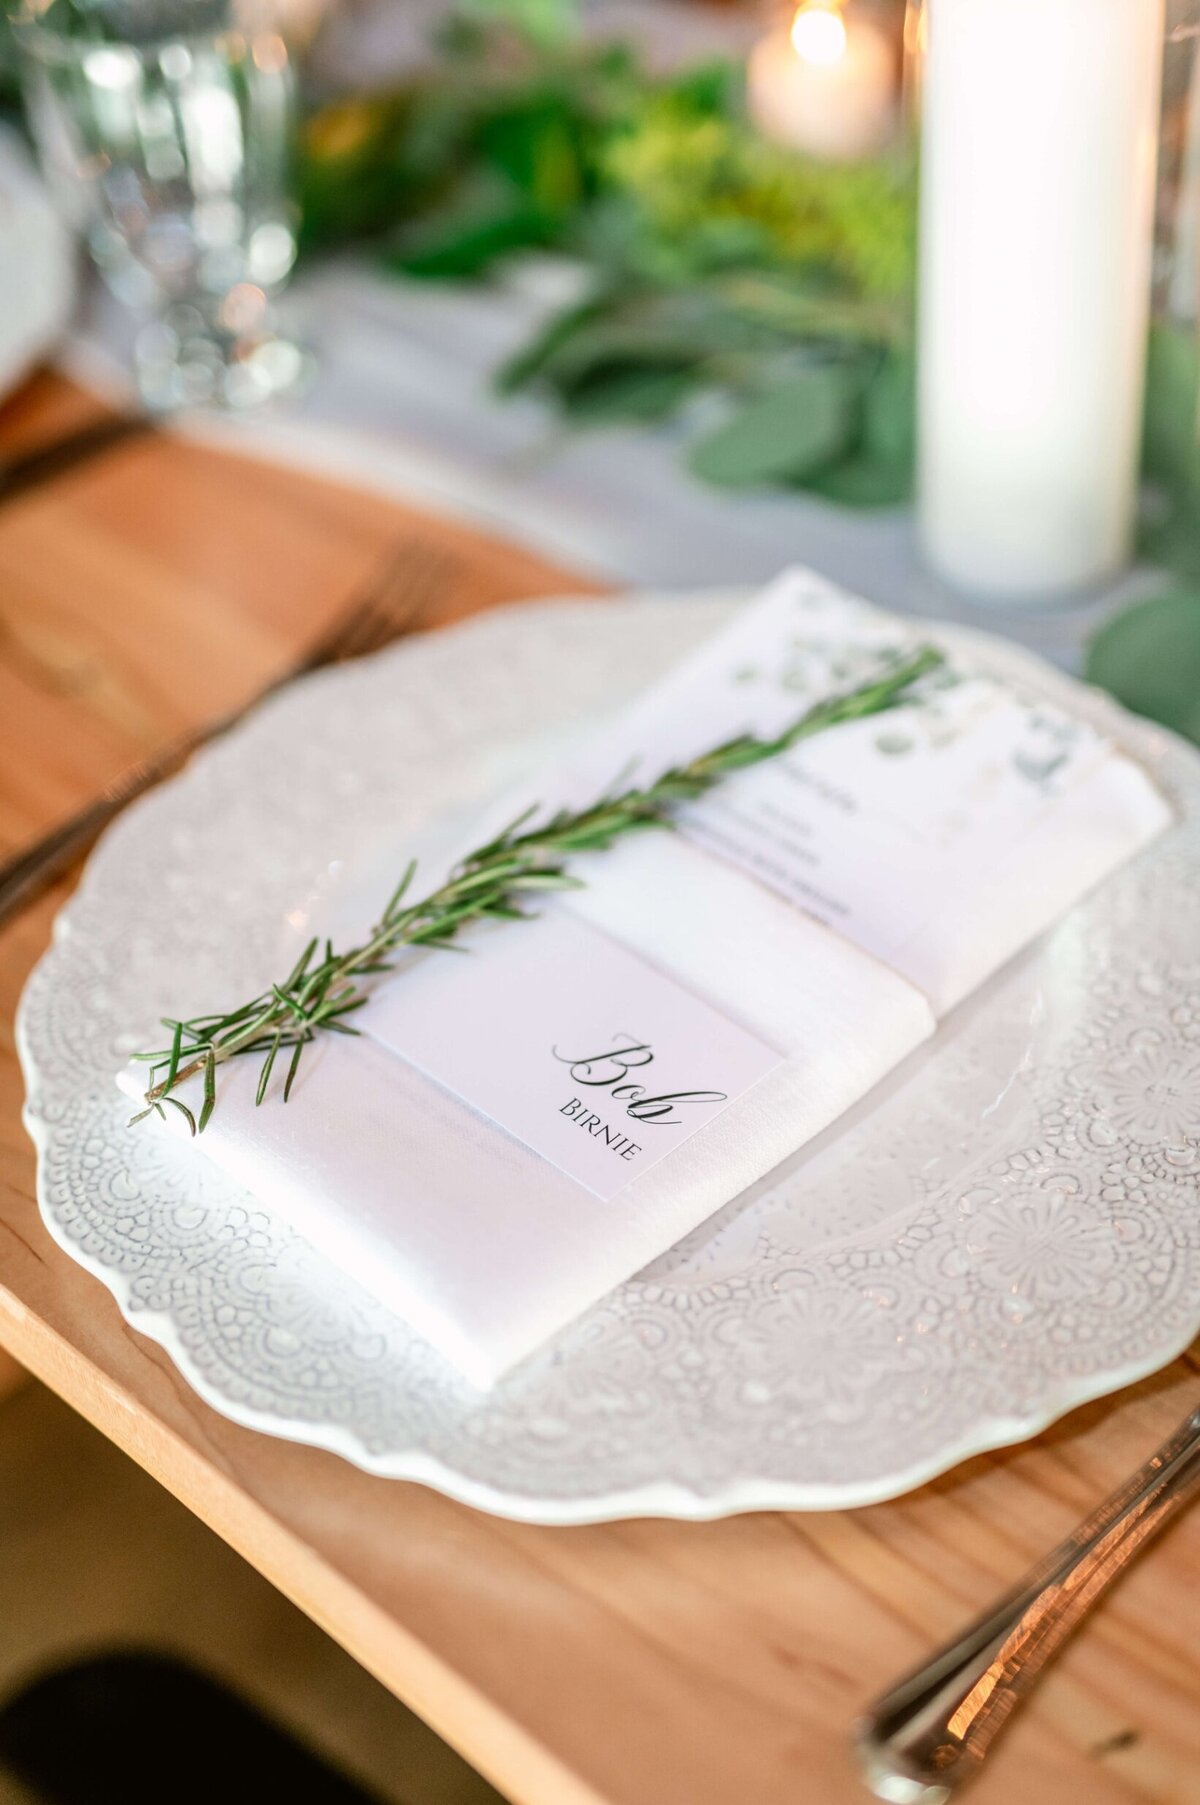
x=391, y=604
x=933, y=1730
x=28, y=469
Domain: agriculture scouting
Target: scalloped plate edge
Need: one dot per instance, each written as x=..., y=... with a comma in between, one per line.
x=659, y=1499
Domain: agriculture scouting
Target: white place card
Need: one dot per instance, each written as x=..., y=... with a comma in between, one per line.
x=585, y=1052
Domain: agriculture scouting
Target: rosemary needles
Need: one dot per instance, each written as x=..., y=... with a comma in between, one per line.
x=325, y=988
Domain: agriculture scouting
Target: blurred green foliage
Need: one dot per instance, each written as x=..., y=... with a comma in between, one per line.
x=719, y=263
x=10, y=90
x=1149, y=655
x=770, y=294
x=722, y=266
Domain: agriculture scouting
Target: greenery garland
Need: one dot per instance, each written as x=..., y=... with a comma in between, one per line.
x=765, y=296
x=721, y=266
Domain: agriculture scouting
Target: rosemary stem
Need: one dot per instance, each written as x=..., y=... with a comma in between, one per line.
x=487, y=883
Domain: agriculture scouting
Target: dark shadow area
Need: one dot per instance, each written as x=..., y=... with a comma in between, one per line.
x=135, y=1728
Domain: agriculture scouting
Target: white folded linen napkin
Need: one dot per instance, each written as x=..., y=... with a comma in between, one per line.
x=480, y=1243
x=934, y=843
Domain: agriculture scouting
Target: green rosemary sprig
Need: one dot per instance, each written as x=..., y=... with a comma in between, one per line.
x=324, y=988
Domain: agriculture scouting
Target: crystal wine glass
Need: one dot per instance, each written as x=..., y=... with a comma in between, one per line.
x=166, y=129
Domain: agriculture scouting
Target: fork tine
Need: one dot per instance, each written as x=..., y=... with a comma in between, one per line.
x=404, y=595
x=407, y=601
x=393, y=601
x=346, y=633
x=328, y=646
x=430, y=571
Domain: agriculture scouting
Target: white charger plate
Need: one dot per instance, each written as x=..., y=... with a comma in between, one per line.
x=1006, y=1228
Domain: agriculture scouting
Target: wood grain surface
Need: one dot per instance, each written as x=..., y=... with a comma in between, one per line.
x=640, y=1663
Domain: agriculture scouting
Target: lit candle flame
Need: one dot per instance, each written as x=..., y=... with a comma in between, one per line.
x=818, y=34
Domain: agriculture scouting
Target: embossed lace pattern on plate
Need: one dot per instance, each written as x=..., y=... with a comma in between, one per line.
x=1009, y=1226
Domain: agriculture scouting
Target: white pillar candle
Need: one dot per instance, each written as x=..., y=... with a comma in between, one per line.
x=825, y=83
x=1039, y=136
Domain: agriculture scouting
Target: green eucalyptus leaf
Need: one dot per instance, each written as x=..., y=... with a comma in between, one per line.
x=890, y=412
x=1149, y=658
x=1171, y=537
x=635, y=393
x=674, y=329
x=879, y=471
x=1171, y=431
x=799, y=429
x=864, y=482
x=465, y=243
x=532, y=359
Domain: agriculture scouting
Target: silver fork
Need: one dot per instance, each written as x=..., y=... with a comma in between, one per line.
x=392, y=603
x=931, y=1732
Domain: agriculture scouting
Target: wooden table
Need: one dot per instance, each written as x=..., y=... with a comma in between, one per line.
x=641, y=1663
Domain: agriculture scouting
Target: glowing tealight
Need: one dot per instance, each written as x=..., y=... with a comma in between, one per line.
x=826, y=82
x=819, y=35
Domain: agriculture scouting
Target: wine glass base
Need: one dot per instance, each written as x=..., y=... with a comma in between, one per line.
x=185, y=359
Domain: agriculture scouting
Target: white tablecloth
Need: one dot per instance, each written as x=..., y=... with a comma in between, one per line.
x=402, y=403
